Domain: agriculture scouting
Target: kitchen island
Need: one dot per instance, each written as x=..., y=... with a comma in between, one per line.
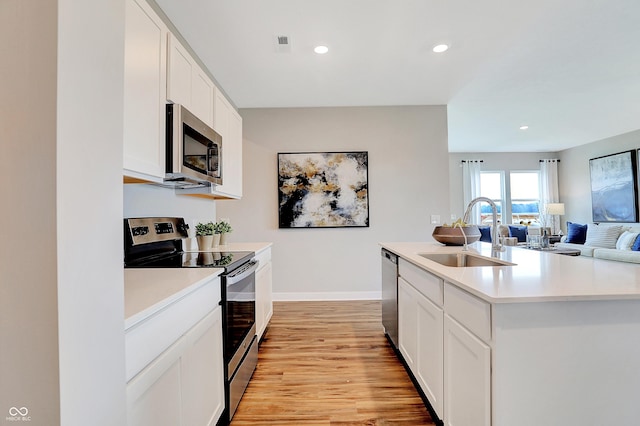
x=541, y=339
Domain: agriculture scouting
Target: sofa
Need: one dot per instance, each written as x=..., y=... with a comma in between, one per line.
x=604, y=241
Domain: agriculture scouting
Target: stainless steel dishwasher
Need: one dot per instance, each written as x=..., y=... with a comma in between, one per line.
x=390, y=296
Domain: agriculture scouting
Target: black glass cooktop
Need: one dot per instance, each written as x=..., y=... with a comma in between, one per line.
x=229, y=260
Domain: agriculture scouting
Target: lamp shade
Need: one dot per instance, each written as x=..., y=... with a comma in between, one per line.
x=555, y=208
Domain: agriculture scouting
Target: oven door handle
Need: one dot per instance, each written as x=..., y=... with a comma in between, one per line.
x=244, y=273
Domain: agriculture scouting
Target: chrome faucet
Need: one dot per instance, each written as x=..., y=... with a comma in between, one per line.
x=459, y=225
x=495, y=244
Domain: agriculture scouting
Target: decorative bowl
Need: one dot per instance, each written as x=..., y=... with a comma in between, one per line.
x=453, y=236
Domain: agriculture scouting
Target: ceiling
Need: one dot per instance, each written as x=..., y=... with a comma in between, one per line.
x=568, y=69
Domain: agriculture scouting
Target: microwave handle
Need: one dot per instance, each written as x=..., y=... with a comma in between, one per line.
x=211, y=150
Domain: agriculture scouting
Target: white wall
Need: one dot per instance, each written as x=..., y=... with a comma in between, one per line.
x=492, y=161
x=89, y=212
x=61, y=299
x=408, y=181
x=28, y=285
x=141, y=200
x=574, y=175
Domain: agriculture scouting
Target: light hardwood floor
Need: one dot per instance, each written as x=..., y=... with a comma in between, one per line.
x=329, y=363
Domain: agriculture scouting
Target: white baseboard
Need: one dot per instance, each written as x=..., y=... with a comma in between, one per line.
x=335, y=296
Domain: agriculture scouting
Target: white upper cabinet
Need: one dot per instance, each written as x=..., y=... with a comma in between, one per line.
x=160, y=70
x=228, y=123
x=187, y=83
x=202, y=93
x=179, y=73
x=145, y=65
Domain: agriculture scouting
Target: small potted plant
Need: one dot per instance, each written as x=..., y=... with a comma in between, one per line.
x=204, y=235
x=223, y=228
x=216, y=234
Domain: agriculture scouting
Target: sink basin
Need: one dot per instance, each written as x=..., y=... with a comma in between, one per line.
x=463, y=260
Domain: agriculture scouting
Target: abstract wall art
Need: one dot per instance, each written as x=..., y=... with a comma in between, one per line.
x=323, y=189
x=614, y=187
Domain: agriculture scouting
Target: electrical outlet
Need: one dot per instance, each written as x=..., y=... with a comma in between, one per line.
x=435, y=219
x=453, y=216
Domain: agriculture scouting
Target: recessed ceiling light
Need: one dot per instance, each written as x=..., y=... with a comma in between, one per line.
x=441, y=48
x=321, y=50
x=524, y=127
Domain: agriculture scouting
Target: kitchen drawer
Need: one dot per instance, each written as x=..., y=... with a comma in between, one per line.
x=468, y=310
x=149, y=338
x=264, y=257
x=427, y=284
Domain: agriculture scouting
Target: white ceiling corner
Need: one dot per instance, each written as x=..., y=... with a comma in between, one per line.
x=569, y=69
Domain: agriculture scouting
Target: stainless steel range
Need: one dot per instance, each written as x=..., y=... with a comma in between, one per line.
x=157, y=243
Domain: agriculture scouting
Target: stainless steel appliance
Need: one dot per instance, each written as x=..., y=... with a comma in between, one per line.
x=157, y=243
x=390, y=296
x=194, y=151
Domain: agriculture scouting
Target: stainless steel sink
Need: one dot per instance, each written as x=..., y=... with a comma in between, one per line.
x=463, y=260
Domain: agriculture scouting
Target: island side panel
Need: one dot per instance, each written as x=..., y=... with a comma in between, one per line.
x=566, y=363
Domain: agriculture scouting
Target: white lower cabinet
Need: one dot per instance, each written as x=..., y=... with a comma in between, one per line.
x=442, y=335
x=153, y=396
x=185, y=384
x=203, y=372
x=420, y=341
x=407, y=323
x=264, y=290
x=467, y=377
x=430, y=367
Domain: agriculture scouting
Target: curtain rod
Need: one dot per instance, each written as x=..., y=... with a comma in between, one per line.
x=472, y=161
x=550, y=160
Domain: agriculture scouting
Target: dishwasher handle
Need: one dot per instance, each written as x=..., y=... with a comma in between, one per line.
x=390, y=256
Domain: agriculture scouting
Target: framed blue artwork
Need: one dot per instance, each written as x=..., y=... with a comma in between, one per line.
x=614, y=187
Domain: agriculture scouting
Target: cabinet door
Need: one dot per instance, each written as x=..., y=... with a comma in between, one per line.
x=145, y=65
x=202, y=92
x=467, y=378
x=203, y=372
x=154, y=395
x=264, y=303
x=179, y=73
x=429, y=369
x=407, y=323
x=187, y=83
x=228, y=123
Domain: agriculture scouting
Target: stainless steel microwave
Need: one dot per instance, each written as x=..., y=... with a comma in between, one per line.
x=194, y=150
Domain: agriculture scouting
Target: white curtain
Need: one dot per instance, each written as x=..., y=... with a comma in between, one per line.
x=549, y=190
x=471, y=186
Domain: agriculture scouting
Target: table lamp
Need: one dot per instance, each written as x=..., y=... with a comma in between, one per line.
x=554, y=209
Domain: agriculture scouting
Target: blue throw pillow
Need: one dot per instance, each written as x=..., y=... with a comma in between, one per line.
x=520, y=232
x=576, y=233
x=485, y=233
x=636, y=245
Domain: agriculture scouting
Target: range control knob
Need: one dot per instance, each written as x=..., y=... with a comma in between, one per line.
x=140, y=230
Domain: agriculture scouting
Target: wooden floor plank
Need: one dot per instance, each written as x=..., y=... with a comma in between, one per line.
x=328, y=363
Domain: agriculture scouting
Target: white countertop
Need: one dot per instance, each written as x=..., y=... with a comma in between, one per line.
x=536, y=277
x=149, y=290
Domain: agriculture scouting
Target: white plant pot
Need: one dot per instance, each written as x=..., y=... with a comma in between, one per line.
x=204, y=242
x=216, y=240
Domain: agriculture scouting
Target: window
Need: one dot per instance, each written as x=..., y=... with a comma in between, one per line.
x=525, y=197
x=492, y=187
x=519, y=202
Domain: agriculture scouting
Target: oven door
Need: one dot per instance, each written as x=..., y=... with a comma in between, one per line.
x=239, y=313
